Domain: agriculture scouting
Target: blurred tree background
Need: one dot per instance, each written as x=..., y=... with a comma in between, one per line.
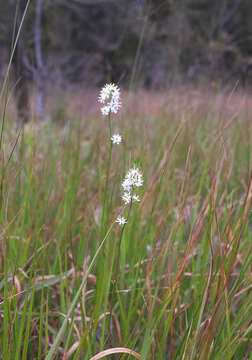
x=152, y=43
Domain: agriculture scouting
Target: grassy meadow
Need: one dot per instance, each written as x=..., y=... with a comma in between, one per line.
x=175, y=281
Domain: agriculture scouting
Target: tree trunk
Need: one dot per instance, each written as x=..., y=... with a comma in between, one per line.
x=20, y=74
x=39, y=74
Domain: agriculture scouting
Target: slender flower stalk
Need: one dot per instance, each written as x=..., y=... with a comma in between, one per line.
x=105, y=199
x=110, y=98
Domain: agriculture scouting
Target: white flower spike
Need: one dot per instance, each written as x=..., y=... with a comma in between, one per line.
x=116, y=139
x=110, y=97
x=121, y=220
x=133, y=178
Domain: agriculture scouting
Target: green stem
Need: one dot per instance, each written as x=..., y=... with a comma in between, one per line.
x=105, y=198
x=50, y=355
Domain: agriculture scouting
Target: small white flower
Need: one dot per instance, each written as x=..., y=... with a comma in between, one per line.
x=116, y=139
x=121, y=220
x=110, y=97
x=126, y=197
x=115, y=106
x=136, y=198
x=126, y=185
x=105, y=110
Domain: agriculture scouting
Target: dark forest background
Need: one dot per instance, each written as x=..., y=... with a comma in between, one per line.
x=154, y=43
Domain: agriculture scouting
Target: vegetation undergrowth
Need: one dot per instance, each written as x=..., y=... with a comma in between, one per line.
x=170, y=281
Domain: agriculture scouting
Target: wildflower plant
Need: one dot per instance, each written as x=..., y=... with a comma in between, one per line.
x=109, y=97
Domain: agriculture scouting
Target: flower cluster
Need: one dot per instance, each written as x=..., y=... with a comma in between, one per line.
x=110, y=97
x=132, y=180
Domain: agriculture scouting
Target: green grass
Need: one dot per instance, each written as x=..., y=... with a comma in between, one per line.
x=175, y=282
